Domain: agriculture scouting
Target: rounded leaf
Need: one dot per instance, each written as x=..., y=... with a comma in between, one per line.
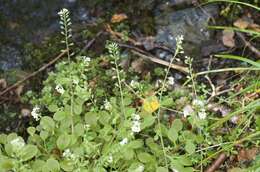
x=63, y=141
x=28, y=152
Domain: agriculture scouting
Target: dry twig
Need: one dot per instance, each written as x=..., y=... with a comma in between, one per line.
x=248, y=44
x=216, y=164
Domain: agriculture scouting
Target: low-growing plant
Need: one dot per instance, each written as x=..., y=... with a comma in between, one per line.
x=92, y=116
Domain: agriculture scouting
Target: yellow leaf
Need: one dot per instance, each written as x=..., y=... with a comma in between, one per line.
x=151, y=104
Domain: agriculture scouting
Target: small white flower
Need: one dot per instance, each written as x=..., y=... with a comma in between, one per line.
x=107, y=105
x=86, y=60
x=68, y=154
x=136, y=117
x=75, y=81
x=198, y=103
x=170, y=80
x=110, y=159
x=36, y=113
x=187, y=111
x=59, y=89
x=134, y=84
x=124, y=141
x=136, y=127
x=202, y=114
x=17, y=143
x=63, y=11
x=139, y=169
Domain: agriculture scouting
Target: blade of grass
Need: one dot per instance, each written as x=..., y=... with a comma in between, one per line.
x=253, y=105
x=235, y=29
x=227, y=56
x=235, y=2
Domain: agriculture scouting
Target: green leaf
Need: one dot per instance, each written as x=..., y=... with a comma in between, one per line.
x=136, y=144
x=6, y=164
x=28, y=152
x=145, y=157
x=44, y=135
x=79, y=129
x=148, y=121
x=172, y=134
x=31, y=130
x=52, y=165
x=67, y=165
x=63, y=141
x=53, y=107
x=47, y=123
x=167, y=102
x=38, y=165
x=190, y=147
x=3, y=138
x=177, y=125
x=77, y=106
x=91, y=118
x=60, y=115
x=162, y=169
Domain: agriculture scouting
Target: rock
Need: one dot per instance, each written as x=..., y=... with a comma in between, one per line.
x=10, y=58
x=191, y=23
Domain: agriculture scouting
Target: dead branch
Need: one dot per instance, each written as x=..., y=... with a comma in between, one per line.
x=216, y=164
x=162, y=62
x=248, y=44
x=33, y=74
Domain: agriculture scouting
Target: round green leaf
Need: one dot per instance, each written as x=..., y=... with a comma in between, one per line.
x=145, y=157
x=177, y=125
x=28, y=152
x=63, y=141
x=47, y=123
x=172, y=134
x=190, y=147
x=52, y=165
x=79, y=129
x=31, y=130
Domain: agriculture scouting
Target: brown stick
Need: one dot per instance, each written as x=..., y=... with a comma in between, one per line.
x=248, y=44
x=216, y=164
x=33, y=74
x=162, y=62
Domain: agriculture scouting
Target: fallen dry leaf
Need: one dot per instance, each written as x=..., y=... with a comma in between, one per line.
x=138, y=65
x=247, y=154
x=3, y=84
x=116, y=18
x=25, y=112
x=241, y=23
x=228, y=38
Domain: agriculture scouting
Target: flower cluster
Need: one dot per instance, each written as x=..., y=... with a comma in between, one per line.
x=134, y=84
x=107, y=105
x=36, y=113
x=136, y=125
x=124, y=141
x=199, y=106
x=68, y=155
x=170, y=81
x=179, y=41
x=86, y=60
x=59, y=89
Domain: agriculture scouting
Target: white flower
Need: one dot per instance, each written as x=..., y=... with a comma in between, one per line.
x=17, y=143
x=187, y=111
x=124, y=141
x=170, y=80
x=136, y=117
x=179, y=40
x=63, y=11
x=35, y=113
x=139, y=169
x=107, y=105
x=59, y=89
x=68, y=154
x=86, y=60
x=202, y=114
x=136, y=127
x=198, y=103
x=110, y=159
x=134, y=84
